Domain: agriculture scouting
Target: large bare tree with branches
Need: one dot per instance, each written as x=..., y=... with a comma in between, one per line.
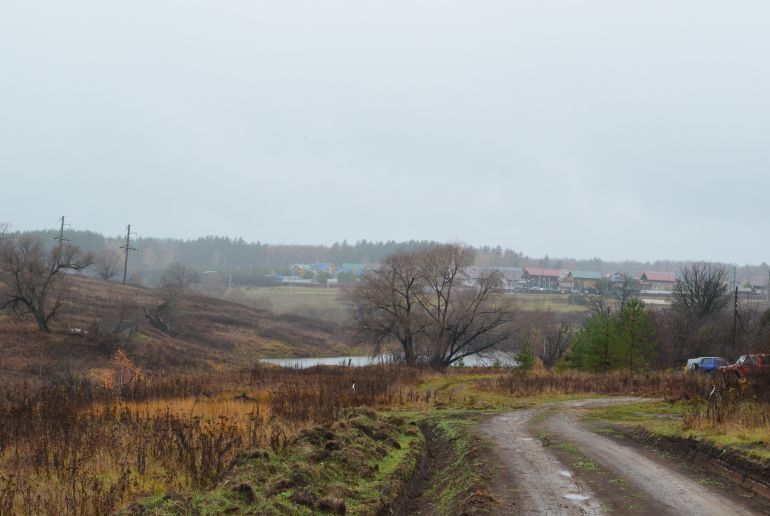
x=699, y=298
x=418, y=299
x=701, y=290
x=31, y=276
x=462, y=321
x=384, y=305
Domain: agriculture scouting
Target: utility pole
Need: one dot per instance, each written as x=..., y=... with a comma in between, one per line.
x=61, y=238
x=735, y=308
x=735, y=318
x=127, y=249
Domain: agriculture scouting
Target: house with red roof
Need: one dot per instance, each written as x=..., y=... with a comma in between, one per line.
x=547, y=279
x=658, y=281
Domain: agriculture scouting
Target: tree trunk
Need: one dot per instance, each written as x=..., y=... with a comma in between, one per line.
x=42, y=323
x=408, y=346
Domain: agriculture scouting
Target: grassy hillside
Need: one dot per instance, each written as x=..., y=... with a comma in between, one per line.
x=210, y=334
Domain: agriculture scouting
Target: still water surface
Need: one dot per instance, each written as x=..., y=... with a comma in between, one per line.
x=487, y=360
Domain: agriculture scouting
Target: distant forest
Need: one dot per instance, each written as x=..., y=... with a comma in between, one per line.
x=244, y=260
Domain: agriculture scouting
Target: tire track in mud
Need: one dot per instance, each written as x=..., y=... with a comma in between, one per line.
x=544, y=485
x=675, y=492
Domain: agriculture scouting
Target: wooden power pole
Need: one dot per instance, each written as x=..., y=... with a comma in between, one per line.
x=127, y=248
x=60, y=238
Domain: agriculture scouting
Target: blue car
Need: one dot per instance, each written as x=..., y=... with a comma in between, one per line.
x=704, y=364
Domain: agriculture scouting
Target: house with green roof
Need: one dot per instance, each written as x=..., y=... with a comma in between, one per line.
x=584, y=279
x=359, y=269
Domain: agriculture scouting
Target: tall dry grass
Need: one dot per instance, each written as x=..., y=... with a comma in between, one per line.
x=77, y=447
x=732, y=405
x=667, y=385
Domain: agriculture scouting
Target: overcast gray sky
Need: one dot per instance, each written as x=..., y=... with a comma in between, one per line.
x=616, y=129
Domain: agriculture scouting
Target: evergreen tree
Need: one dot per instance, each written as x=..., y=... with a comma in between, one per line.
x=614, y=340
x=526, y=357
x=598, y=347
x=638, y=335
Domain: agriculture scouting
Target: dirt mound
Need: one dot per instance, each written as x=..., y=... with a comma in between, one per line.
x=209, y=334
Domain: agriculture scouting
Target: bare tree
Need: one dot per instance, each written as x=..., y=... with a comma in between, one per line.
x=419, y=300
x=30, y=276
x=107, y=264
x=624, y=289
x=5, y=227
x=598, y=305
x=753, y=328
x=699, y=298
x=176, y=279
x=384, y=305
x=701, y=290
x=557, y=338
x=461, y=321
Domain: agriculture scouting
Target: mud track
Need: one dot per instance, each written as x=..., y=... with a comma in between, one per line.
x=543, y=482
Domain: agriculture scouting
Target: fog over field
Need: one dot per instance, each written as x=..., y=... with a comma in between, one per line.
x=613, y=129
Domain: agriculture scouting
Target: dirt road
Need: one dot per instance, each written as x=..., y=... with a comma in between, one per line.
x=544, y=481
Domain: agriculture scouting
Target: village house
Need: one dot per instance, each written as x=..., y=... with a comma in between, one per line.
x=301, y=270
x=510, y=280
x=658, y=282
x=326, y=268
x=310, y=271
x=542, y=279
x=359, y=269
x=512, y=277
x=584, y=280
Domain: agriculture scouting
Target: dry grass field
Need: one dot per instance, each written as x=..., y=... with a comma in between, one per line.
x=80, y=447
x=176, y=444
x=210, y=334
x=328, y=303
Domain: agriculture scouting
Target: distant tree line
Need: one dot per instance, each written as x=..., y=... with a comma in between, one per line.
x=247, y=261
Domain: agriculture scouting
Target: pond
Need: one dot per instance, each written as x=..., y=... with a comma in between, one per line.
x=487, y=360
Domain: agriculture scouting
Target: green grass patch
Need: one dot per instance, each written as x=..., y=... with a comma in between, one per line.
x=568, y=447
x=662, y=418
x=358, y=465
x=665, y=419
x=461, y=483
x=586, y=464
